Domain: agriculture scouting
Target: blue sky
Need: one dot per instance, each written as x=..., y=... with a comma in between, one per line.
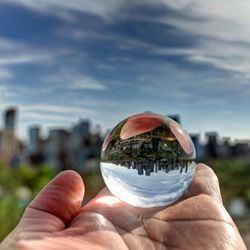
x=105, y=60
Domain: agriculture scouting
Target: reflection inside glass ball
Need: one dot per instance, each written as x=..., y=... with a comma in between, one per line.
x=148, y=160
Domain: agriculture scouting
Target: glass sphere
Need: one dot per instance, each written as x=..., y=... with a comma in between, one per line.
x=148, y=160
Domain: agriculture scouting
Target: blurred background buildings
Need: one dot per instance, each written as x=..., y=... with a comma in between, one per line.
x=79, y=146
x=75, y=148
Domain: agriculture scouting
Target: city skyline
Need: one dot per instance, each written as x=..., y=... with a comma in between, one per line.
x=62, y=60
x=144, y=167
x=80, y=147
x=45, y=130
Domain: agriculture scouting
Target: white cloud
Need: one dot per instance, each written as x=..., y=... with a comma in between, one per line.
x=196, y=89
x=56, y=109
x=35, y=117
x=218, y=43
x=6, y=92
x=13, y=52
x=25, y=58
x=5, y=73
x=221, y=55
x=221, y=29
x=63, y=7
x=75, y=81
x=7, y=44
x=85, y=82
x=122, y=42
x=51, y=115
x=225, y=19
x=2, y=88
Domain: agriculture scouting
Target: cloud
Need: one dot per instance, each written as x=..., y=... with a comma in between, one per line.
x=226, y=19
x=220, y=28
x=47, y=113
x=51, y=115
x=18, y=53
x=122, y=41
x=6, y=92
x=5, y=74
x=179, y=85
x=197, y=54
x=2, y=88
x=45, y=118
x=74, y=80
x=7, y=44
x=56, y=109
x=14, y=59
x=219, y=31
x=220, y=41
x=64, y=8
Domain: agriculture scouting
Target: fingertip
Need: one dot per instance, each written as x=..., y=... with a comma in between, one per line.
x=204, y=170
x=202, y=166
x=71, y=179
x=205, y=182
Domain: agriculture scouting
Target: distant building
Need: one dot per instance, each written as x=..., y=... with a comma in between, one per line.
x=175, y=117
x=9, y=144
x=241, y=149
x=10, y=119
x=57, y=150
x=34, y=139
x=35, y=146
x=225, y=148
x=199, y=148
x=78, y=149
x=211, y=144
x=81, y=128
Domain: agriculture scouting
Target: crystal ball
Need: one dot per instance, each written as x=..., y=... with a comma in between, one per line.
x=148, y=160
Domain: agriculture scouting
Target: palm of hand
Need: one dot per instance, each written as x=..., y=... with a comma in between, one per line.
x=197, y=222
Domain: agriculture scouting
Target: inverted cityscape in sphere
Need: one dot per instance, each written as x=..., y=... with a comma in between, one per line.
x=148, y=160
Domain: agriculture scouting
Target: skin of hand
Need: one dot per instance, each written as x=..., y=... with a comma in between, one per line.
x=56, y=220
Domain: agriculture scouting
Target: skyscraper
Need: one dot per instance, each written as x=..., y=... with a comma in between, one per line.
x=212, y=144
x=34, y=139
x=9, y=143
x=199, y=148
x=10, y=119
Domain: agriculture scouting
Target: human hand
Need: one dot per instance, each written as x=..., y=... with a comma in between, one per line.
x=55, y=220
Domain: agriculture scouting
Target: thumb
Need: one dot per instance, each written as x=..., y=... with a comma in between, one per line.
x=56, y=204
x=205, y=182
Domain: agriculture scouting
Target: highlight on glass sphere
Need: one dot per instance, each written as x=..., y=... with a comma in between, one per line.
x=148, y=160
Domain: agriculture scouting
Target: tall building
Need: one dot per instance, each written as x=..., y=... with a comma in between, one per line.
x=199, y=148
x=212, y=144
x=34, y=139
x=9, y=143
x=10, y=119
x=81, y=128
x=58, y=148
